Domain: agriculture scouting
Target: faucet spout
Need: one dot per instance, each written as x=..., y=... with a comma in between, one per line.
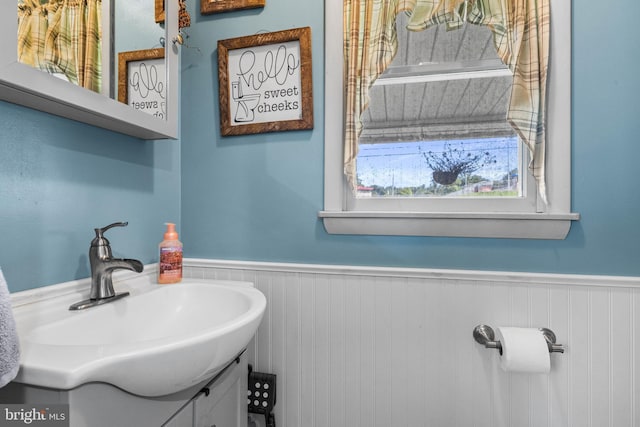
x=125, y=264
x=102, y=267
x=101, y=281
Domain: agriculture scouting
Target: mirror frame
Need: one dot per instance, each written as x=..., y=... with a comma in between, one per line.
x=27, y=86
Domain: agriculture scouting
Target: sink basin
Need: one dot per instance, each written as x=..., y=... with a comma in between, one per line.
x=158, y=341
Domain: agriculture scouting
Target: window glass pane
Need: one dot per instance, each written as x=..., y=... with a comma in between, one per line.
x=468, y=168
x=436, y=124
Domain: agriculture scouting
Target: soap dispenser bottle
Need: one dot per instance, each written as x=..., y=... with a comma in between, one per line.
x=170, y=268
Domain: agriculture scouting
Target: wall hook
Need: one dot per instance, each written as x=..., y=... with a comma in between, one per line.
x=178, y=39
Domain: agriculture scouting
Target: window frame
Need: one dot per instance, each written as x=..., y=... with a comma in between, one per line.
x=454, y=217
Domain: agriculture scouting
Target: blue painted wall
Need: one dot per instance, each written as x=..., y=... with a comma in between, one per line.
x=60, y=179
x=257, y=197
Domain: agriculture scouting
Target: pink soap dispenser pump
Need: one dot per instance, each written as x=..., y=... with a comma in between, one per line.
x=170, y=265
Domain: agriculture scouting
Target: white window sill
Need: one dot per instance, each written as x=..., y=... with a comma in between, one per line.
x=491, y=225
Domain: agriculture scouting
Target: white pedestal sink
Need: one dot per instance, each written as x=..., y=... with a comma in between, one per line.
x=159, y=340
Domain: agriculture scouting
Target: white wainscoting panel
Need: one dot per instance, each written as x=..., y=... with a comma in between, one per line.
x=389, y=347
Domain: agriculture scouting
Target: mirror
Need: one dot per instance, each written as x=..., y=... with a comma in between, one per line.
x=98, y=105
x=139, y=75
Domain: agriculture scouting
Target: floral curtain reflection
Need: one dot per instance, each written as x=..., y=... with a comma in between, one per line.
x=62, y=37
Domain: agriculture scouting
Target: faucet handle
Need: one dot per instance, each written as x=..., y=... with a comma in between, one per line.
x=115, y=224
x=99, y=240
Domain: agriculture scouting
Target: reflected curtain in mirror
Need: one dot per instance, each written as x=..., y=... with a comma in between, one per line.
x=62, y=37
x=521, y=38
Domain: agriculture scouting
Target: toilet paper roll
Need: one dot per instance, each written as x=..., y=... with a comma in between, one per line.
x=523, y=350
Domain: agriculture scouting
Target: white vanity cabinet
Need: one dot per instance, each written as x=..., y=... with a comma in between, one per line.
x=225, y=405
x=184, y=417
x=220, y=403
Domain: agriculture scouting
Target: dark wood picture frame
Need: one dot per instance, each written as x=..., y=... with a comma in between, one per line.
x=123, y=62
x=301, y=98
x=217, y=6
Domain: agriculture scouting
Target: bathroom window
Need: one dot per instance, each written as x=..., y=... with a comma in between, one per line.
x=435, y=124
x=436, y=155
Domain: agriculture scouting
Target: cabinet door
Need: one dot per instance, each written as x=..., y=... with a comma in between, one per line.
x=184, y=417
x=226, y=403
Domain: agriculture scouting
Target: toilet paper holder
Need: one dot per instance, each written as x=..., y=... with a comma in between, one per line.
x=483, y=334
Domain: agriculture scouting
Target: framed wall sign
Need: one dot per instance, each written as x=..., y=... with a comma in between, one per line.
x=215, y=6
x=159, y=8
x=265, y=82
x=142, y=81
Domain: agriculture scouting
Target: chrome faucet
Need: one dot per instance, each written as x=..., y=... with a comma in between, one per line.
x=102, y=266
